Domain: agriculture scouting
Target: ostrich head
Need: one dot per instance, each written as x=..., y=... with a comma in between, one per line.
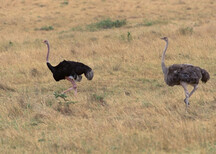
x=46, y=42
x=164, y=38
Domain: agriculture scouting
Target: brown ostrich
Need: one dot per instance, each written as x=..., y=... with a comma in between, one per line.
x=183, y=74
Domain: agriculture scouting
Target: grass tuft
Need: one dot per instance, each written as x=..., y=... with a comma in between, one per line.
x=6, y=46
x=65, y=2
x=149, y=23
x=186, y=30
x=63, y=96
x=45, y=28
x=106, y=24
x=127, y=107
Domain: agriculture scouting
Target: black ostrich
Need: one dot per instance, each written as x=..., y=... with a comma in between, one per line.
x=183, y=74
x=69, y=70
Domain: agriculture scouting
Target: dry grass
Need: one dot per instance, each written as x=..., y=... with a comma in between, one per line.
x=126, y=108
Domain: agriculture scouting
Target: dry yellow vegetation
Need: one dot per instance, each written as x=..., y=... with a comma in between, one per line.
x=127, y=107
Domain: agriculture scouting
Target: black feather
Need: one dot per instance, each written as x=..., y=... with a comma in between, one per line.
x=69, y=68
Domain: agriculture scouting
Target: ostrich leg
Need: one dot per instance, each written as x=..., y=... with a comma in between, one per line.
x=187, y=95
x=74, y=86
x=194, y=89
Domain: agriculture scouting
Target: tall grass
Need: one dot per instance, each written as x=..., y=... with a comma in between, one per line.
x=127, y=107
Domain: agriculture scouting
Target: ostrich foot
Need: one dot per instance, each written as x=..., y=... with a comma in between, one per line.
x=67, y=90
x=186, y=102
x=75, y=91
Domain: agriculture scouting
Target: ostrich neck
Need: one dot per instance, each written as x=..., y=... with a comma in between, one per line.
x=164, y=68
x=47, y=58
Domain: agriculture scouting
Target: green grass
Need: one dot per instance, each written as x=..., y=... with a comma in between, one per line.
x=186, y=30
x=127, y=107
x=45, y=28
x=148, y=23
x=65, y=2
x=106, y=24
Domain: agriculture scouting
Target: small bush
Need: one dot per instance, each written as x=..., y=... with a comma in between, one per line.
x=46, y=28
x=153, y=83
x=148, y=23
x=61, y=95
x=146, y=104
x=106, y=24
x=151, y=22
x=5, y=46
x=186, y=30
x=77, y=28
x=65, y=3
x=34, y=72
x=98, y=97
x=127, y=37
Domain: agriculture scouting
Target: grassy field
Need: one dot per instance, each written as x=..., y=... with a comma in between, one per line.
x=127, y=107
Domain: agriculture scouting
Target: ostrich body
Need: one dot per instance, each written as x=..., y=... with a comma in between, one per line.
x=183, y=74
x=69, y=70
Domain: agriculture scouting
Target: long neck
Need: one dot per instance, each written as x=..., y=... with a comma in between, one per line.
x=164, y=68
x=47, y=60
x=48, y=51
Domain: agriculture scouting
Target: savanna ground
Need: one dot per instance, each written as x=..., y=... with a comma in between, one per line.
x=127, y=107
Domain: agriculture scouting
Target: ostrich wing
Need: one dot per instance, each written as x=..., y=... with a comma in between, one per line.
x=184, y=73
x=63, y=69
x=190, y=75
